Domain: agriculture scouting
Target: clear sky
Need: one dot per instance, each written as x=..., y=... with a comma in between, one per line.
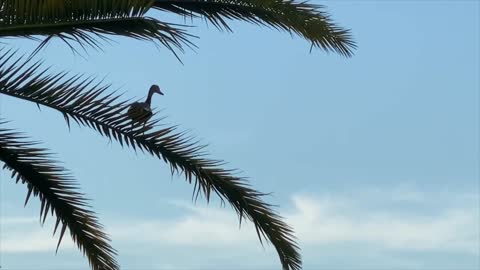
x=373, y=160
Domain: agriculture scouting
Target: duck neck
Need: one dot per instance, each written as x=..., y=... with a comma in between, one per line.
x=149, y=98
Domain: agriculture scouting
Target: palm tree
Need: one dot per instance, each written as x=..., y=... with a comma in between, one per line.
x=83, y=24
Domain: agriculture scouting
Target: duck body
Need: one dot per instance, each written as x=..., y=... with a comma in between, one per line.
x=139, y=112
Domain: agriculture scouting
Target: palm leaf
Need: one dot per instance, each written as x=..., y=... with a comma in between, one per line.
x=58, y=194
x=302, y=18
x=88, y=104
x=87, y=22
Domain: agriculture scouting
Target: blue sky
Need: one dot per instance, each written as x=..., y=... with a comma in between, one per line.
x=373, y=159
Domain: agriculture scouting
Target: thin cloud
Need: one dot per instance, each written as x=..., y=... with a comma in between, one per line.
x=199, y=227
x=17, y=221
x=31, y=240
x=323, y=220
x=318, y=220
x=25, y=234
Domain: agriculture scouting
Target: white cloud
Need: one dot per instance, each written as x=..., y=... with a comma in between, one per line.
x=321, y=222
x=200, y=226
x=24, y=234
x=419, y=222
x=325, y=220
x=17, y=221
x=31, y=241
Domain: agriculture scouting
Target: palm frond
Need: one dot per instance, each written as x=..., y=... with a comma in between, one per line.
x=302, y=18
x=88, y=104
x=87, y=22
x=58, y=194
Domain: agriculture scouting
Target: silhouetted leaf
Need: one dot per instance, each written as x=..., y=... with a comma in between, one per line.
x=57, y=191
x=302, y=18
x=87, y=22
x=91, y=22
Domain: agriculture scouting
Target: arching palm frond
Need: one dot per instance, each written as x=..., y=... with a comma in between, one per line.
x=302, y=18
x=87, y=22
x=58, y=194
x=89, y=105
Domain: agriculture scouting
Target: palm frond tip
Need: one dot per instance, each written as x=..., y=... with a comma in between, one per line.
x=88, y=104
x=302, y=18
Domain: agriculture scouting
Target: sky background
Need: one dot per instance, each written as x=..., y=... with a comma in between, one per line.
x=373, y=159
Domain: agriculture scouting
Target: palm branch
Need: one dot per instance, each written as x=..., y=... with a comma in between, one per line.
x=58, y=194
x=89, y=104
x=87, y=22
x=302, y=18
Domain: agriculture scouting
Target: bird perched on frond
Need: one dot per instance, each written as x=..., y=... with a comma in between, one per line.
x=141, y=111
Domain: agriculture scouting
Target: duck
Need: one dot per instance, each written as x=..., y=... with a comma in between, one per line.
x=142, y=111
